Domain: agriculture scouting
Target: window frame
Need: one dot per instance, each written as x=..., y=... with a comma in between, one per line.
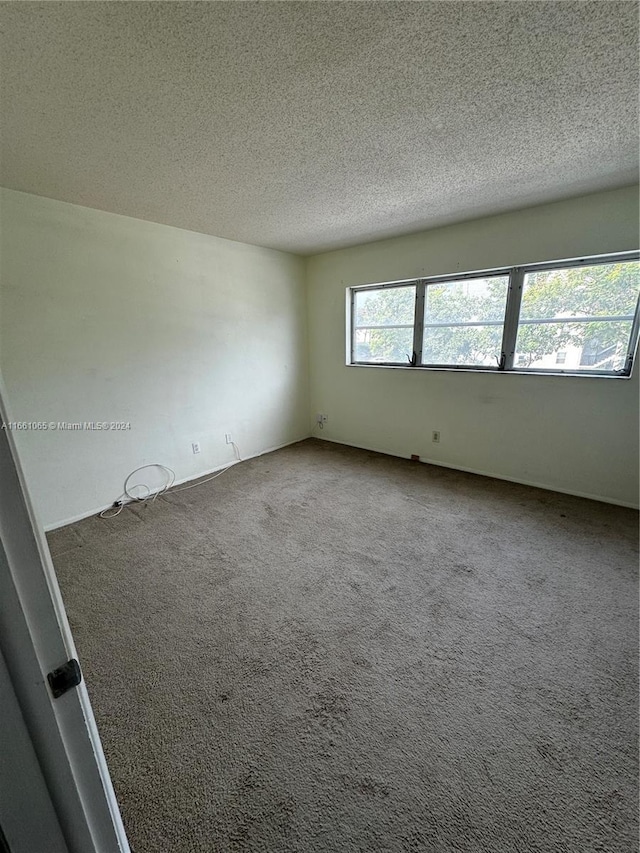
x=387, y=285
x=510, y=323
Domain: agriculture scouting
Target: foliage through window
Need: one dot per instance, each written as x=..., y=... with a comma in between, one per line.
x=587, y=312
x=573, y=317
x=384, y=324
x=463, y=321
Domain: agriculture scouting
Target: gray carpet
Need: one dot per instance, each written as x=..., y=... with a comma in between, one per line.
x=327, y=649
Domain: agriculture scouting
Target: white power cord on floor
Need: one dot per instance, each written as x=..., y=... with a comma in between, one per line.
x=127, y=497
x=219, y=473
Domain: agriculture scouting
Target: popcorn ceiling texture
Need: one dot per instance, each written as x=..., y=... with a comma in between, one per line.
x=333, y=651
x=309, y=126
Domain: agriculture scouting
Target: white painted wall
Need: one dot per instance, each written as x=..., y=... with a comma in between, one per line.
x=108, y=318
x=573, y=434
x=187, y=336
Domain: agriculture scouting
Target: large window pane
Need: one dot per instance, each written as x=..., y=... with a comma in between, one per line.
x=383, y=324
x=463, y=321
x=578, y=318
x=393, y=346
x=389, y=306
x=590, y=291
x=573, y=346
x=468, y=345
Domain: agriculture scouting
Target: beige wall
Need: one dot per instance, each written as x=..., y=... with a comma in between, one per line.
x=573, y=434
x=107, y=318
x=187, y=336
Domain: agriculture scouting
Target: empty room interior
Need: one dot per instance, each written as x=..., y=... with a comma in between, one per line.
x=318, y=336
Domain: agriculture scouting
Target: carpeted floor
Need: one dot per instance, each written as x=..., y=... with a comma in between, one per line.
x=328, y=650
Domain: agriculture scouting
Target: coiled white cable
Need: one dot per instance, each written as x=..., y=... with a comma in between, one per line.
x=127, y=497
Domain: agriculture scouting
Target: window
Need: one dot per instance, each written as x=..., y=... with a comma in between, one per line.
x=563, y=317
x=463, y=321
x=586, y=310
x=383, y=324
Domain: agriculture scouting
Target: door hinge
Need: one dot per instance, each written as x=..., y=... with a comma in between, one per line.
x=64, y=678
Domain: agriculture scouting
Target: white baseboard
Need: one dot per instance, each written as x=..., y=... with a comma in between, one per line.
x=491, y=474
x=56, y=525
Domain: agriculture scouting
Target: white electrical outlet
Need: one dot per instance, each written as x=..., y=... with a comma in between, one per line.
x=321, y=419
x=435, y=436
x=228, y=438
x=196, y=447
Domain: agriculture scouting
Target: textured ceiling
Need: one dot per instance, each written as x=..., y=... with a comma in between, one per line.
x=308, y=126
